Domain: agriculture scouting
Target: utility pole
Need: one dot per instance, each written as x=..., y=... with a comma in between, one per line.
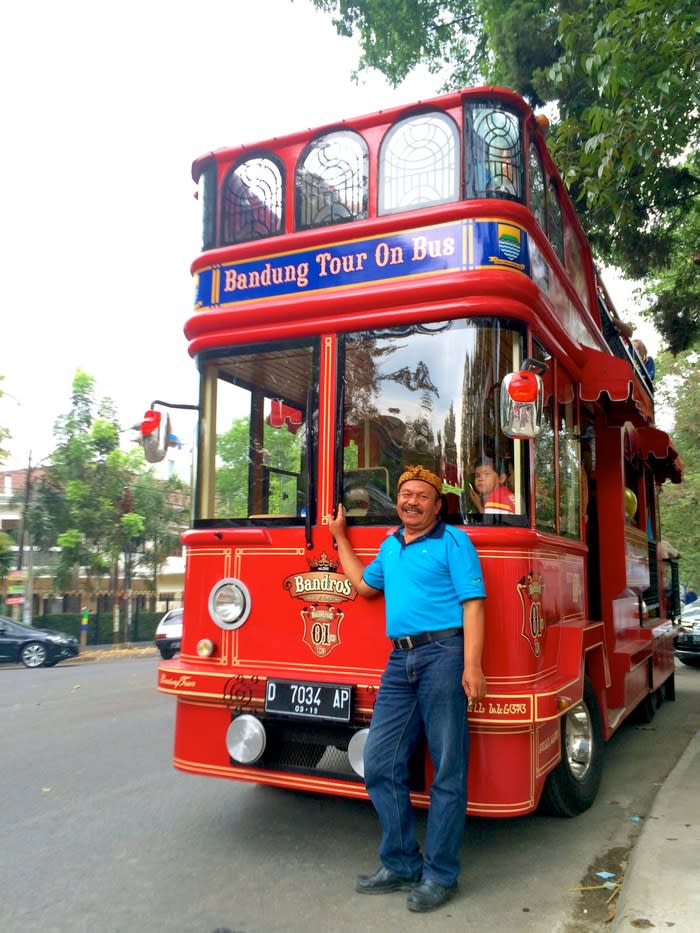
x=19, y=595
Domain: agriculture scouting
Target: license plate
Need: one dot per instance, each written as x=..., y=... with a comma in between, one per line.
x=317, y=701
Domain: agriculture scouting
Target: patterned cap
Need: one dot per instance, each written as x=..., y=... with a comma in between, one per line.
x=419, y=472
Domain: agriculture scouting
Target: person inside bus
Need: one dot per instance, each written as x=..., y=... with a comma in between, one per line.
x=433, y=588
x=490, y=493
x=643, y=355
x=357, y=501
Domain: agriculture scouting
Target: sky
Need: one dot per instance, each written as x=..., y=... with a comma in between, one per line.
x=103, y=111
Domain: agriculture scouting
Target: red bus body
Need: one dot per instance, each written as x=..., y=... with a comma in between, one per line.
x=350, y=315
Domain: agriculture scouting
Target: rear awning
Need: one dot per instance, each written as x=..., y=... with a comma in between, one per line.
x=656, y=447
x=604, y=373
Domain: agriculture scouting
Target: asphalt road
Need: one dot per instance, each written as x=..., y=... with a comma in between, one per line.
x=98, y=833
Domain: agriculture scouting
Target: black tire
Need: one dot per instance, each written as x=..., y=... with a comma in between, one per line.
x=692, y=662
x=33, y=654
x=167, y=653
x=669, y=689
x=646, y=710
x=572, y=786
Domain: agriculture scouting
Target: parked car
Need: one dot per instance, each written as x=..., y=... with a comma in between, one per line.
x=687, y=643
x=169, y=633
x=34, y=647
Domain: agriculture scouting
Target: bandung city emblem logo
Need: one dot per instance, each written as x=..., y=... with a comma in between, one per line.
x=533, y=626
x=322, y=587
x=509, y=241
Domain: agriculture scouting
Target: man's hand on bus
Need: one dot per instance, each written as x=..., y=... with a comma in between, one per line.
x=337, y=524
x=352, y=565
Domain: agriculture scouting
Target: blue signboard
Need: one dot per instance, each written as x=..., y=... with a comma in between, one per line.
x=424, y=251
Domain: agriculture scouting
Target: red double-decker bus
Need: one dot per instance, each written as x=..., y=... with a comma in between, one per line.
x=413, y=287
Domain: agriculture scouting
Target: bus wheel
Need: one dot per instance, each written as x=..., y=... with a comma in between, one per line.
x=572, y=786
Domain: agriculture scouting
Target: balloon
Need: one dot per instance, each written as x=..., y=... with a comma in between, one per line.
x=630, y=503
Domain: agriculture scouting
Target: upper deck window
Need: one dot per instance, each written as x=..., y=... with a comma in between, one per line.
x=331, y=181
x=418, y=163
x=536, y=189
x=493, y=159
x=556, y=227
x=251, y=201
x=207, y=198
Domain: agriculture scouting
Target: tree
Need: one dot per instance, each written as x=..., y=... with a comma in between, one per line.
x=683, y=500
x=4, y=433
x=6, y=555
x=282, y=451
x=623, y=81
x=673, y=287
x=75, y=501
x=163, y=506
x=98, y=503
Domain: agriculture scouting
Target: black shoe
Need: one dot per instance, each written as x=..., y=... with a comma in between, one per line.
x=428, y=895
x=383, y=881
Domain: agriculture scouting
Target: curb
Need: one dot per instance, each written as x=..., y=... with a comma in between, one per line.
x=115, y=653
x=660, y=888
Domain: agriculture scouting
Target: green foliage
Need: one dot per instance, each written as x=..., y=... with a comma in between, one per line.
x=6, y=554
x=677, y=390
x=282, y=451
x=4, y=433
x=628, y=90
x=232, y=475
x=673, y=285
x=622, y=77
x=97, y=502
x=397, y=36
x=162, y=508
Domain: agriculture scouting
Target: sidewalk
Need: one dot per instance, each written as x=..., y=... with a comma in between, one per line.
x=661, y=888
x=114, y=652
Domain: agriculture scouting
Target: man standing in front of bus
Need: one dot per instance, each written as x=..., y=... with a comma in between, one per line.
x=432, y=582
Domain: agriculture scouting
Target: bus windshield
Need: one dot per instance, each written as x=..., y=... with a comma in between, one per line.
x=429, y=394
x=261, y=402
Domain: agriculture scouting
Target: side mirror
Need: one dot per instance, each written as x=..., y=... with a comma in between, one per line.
x=522, y=399
x=155, y=435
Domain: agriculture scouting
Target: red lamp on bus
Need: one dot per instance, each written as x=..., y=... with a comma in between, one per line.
x=522, y=396
x=155, y=435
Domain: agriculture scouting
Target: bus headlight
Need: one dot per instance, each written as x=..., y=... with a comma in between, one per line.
x=246, y=739
x=229, y=603
x=356, y=751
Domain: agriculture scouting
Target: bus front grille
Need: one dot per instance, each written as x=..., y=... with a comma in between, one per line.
x=310, y=748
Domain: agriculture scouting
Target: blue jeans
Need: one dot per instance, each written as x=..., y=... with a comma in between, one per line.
x=421, y=693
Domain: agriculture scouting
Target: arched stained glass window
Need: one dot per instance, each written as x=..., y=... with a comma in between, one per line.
x=493, y=158
x=331, y=181
x=251, y=201
x=419, y=163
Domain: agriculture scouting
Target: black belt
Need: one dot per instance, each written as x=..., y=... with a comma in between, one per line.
x=415, y=641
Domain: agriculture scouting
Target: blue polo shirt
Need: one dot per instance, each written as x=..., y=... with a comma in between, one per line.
x=426, y=582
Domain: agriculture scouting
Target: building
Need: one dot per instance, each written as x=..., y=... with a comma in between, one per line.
x=36, y=582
